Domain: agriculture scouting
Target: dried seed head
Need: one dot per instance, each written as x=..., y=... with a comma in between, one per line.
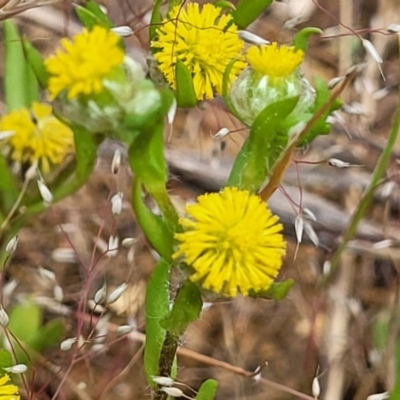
x=393, y=28
x=128, y=242
x=171, y=391
x=68, y=343
x=222, y=133
x=172, y=112
x=12, y=245
x=379, y=396
x=45, y=273
x=95, y=307
x=116, y=203
x=123, y=31
x=113, y=243
x=58, y=293
x=371, y=50
x=252, y=38
x=4, y=319
x=116, y=162
x=163, y=380
x=116, y=294
x=17, y=369
x=101, y=294
x=124, y=330
x=316, y=388
x=45, y=192
x=299, y=228
x=334, y=162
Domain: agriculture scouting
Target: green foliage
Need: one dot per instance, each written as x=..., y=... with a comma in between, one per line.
x=278, y=290
x=248, y=11
x=91, y=15
x=185, y=93
x=267, y=140
x=8, y=189
x=207, y=390
x=5, y=360
x=186, y=309
x=155, y=229
x=35, y=60
x=26, y=325
x=300, y=41
x=157, y=308
x=20, y=84
x=155, y=19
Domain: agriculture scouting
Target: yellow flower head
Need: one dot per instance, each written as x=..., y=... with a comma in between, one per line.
x=8, y=391
x=82, y=64
x=36, y=135
x=273, y=60
x=204, y=40
x=232, y=241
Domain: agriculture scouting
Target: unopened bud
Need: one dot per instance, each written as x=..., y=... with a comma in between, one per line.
x=335, y=162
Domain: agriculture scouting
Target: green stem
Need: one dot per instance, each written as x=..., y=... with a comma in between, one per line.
x=368, y=194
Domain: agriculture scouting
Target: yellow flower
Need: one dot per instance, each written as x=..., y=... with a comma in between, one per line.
x=232, y=241
x=273, y=60
x=36, y=135
x=8, y=391
x=205, y=41
x=81, y=66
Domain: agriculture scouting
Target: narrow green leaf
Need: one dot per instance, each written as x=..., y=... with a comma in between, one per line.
x=146, y=158
x=277, y=291
x=157, y=307
x=5, y=359
x=185, y=93
x=155, y=229
x=395, y=395
x=8, y=188
x=300, y=41
x=225, y=87
x=25, y=321
x=224, y=4
x=267, y=140
x=186, y=309
x=35, y=61
x=248, y=11
x=16, y=80
x=207, y=390
x=91, y=14
x=85, y=152
x=156, y=19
